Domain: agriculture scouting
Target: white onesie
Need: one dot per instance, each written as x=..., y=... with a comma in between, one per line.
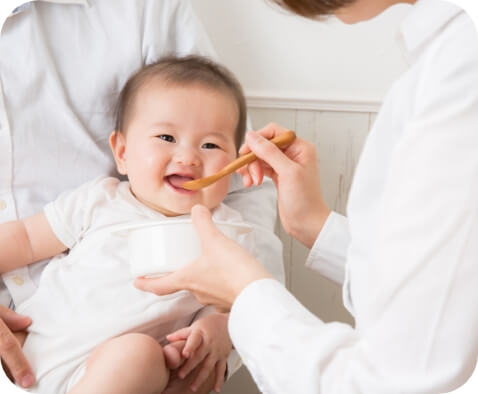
x=87, y=296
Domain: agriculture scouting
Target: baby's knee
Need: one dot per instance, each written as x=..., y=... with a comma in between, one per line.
x=143, y=351
x=138, y=353
x=133, y=361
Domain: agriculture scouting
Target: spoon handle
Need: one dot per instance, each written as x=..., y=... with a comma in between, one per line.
x=280, y=140
x=196, y=184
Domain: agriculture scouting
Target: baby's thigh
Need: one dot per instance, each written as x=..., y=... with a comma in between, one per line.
x=130, y=360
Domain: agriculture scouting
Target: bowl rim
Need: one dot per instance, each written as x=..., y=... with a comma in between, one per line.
x=245, y=227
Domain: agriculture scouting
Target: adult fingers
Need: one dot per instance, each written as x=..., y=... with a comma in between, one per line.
x=220, y=369
x=202, y=220
x=13, y=320
x=13, y=357
x=253, y=173
x=256, y=172
x=246, y=176
x=268, y=152
x=270, y=131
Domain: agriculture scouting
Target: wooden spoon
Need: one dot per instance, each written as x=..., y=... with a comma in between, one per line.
x=281, y=140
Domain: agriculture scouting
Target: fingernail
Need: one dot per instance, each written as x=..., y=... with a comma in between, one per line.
x=27, y=380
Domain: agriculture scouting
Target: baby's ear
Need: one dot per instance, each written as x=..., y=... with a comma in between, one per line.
x=118, y=147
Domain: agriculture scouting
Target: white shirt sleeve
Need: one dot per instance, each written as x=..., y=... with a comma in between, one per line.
x=285, y=347
x=329, y=253
x=414, y=293
x=71, y=214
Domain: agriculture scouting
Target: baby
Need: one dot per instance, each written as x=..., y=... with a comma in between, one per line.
x=93, y=331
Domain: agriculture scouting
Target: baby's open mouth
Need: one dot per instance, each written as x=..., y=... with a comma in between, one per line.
x=176, y=181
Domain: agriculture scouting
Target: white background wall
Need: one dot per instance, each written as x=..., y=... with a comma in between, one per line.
x=280, y=55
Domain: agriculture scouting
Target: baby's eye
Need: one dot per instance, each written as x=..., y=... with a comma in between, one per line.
x=166, y=137
x=210, y=145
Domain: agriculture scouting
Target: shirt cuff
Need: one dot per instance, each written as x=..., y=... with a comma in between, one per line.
x=234, y=362
x=329, y=252
x=258, y=308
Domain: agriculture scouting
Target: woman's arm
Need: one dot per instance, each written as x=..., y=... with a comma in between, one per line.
x=25, y=241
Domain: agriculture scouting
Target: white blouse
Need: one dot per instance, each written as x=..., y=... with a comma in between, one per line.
x=410, y=242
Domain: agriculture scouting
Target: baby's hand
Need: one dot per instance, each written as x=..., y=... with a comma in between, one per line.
x=173, y=354
x=207, y=343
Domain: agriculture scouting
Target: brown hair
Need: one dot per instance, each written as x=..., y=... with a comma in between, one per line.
x=313, y=8
x=185, y=70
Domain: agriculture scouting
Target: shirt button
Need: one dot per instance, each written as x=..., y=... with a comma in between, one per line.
x=3, y=205
x=18, y=280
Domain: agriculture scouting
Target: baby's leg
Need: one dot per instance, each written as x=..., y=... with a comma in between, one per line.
x=131, y=363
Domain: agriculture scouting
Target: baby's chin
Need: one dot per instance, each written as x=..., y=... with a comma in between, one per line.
x=172, y=207
x=172, y=210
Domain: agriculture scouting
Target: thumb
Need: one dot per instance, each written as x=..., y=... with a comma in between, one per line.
x=268, y=152
x=163, y=285
x=203, y=224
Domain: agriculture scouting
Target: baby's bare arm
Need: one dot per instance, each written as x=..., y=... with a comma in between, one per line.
x=23, y=242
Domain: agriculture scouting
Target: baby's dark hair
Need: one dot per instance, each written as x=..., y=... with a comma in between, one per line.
x=313, y=8
x=183, y=71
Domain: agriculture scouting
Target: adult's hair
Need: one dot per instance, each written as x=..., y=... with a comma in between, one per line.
x=183, y=71
x=313, y=8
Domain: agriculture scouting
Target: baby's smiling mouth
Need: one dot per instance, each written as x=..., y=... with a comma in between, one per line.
x=176, y=181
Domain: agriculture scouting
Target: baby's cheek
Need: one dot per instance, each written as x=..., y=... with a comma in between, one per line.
x=217, y=192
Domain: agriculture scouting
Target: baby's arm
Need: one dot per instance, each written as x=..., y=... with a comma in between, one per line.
x=208, y=344
x=23, y=242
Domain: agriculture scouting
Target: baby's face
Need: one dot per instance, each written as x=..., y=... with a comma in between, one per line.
x=176, y=134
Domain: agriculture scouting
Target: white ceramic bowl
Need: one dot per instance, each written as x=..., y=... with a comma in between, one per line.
x=160, y=247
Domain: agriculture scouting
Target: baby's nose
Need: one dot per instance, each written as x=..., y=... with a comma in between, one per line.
x=187, y=157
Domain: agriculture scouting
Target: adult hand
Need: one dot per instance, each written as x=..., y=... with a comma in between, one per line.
x=218, y=276
x=295, y=172
x=15, y=364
